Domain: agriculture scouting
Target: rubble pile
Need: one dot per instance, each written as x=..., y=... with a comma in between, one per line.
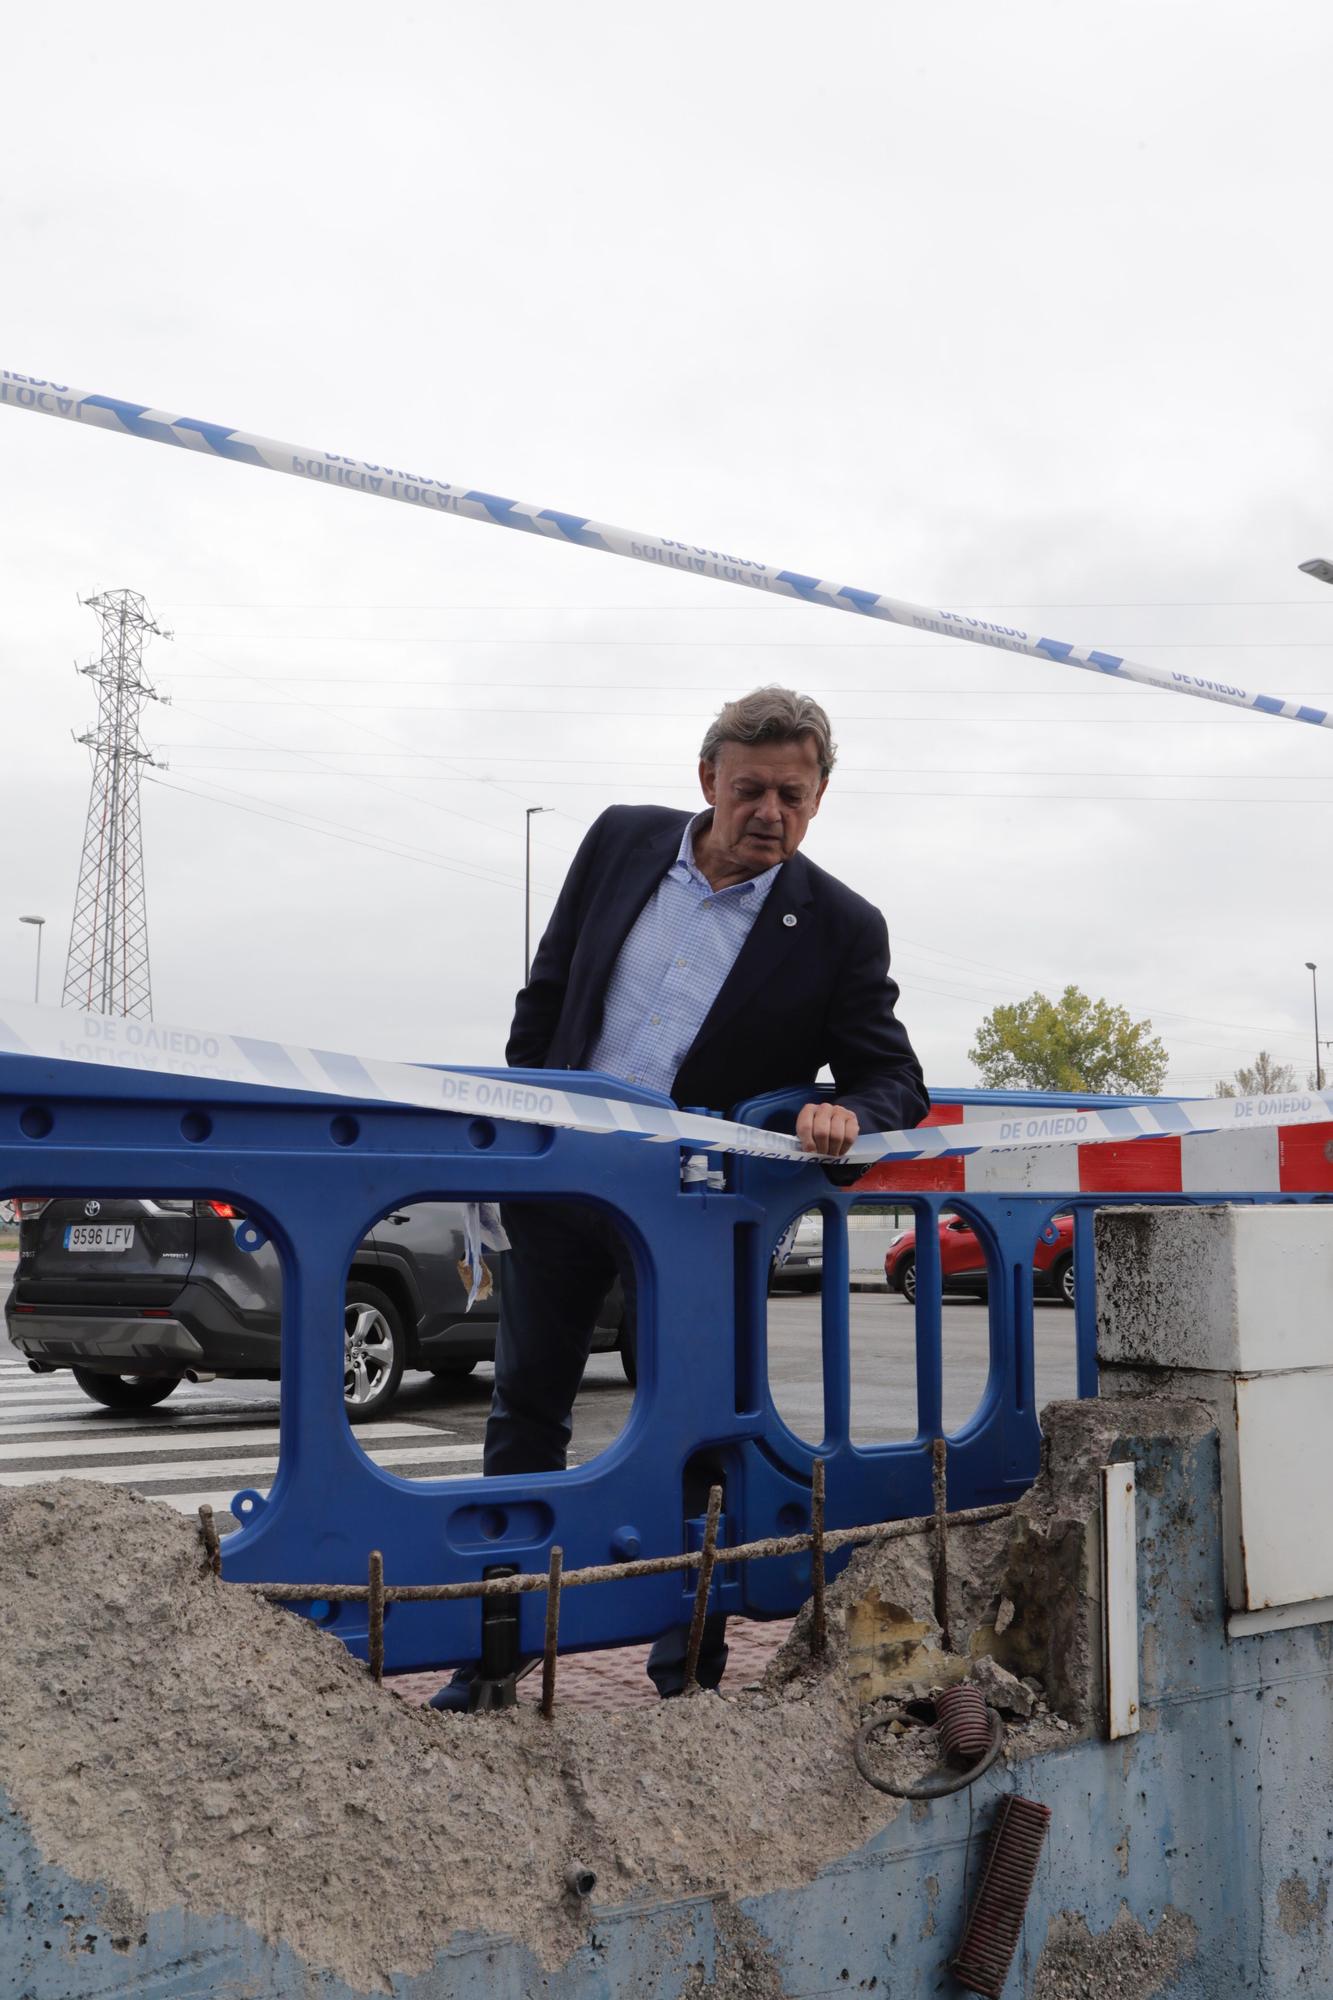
x=184, y=1744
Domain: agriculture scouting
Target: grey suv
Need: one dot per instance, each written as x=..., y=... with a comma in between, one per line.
x=136, y=1296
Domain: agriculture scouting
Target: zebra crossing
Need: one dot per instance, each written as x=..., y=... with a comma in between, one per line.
x=198, y=1447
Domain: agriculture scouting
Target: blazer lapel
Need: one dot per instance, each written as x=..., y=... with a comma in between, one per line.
x=762, y=954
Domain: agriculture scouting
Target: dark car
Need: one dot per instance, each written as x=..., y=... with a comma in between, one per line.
x=136, y=1296
x=963, y=1261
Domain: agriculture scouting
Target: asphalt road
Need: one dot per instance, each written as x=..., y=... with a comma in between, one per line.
x=207, y=1441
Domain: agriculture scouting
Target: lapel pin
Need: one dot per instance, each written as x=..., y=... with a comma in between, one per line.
x=790, y=921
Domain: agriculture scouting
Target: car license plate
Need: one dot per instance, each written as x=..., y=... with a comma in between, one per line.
x=99, y=1235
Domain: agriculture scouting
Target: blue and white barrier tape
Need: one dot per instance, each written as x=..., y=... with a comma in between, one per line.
x=386, y=482
x=108, y=1041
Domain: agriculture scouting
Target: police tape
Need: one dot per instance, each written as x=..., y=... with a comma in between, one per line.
x=443, y=496
x=103, y=1041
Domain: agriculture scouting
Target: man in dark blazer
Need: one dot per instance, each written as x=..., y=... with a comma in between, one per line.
x=706, y=957
x=809, y=986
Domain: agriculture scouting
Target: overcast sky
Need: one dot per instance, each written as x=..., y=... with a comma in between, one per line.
x=1020, y=309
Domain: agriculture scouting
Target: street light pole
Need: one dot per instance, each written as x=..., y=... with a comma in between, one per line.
x=37, y=982
x=1313, y=971
x=529, y=814
x=1321, y=569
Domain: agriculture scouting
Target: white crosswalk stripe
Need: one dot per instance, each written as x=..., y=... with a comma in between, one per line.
x=202, y=1448
x=110, y=1445
x=258, y=1469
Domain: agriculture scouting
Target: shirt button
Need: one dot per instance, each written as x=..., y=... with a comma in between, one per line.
x=656, y=1021
x=680, y=961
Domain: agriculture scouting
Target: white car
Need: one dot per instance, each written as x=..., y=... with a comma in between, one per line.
x=798, y=1260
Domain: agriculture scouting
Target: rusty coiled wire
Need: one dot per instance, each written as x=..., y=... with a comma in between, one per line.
x=965, y=1724
x=995, y=1921
x=938, y=1784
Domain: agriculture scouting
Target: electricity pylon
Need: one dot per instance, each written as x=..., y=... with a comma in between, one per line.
x=107, y=969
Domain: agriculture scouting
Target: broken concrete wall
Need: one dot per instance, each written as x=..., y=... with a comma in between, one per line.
x=737, y=1851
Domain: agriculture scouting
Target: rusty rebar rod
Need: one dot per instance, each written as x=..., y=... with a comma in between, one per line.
x=818, y=1624
x=209, y=1528
x=525, y=1580
x=939, y=1465
x=375, y=1598
x=552, y=1632
x=707, y=1559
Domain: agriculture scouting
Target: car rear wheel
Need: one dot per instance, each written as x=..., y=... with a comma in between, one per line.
x=374, y=1350
x=125, y=1392
x=1062, y=1281
x=907, y=1280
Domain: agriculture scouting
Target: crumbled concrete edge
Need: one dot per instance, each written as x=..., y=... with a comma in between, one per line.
x=1299, y=1908
x=1024, y=1592
x=1125, y=1959
x=744, y=1967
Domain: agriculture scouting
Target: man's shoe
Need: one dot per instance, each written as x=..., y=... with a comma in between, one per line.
x=469, y=1690
x=456, y=1694
x=666, y=1662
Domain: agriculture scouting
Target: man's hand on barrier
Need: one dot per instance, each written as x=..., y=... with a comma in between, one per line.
x=827, y=1129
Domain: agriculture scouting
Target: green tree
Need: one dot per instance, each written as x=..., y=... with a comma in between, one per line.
x=1268, y=1078
x=1072, y=1043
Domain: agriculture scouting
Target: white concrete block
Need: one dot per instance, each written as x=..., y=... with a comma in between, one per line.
x=1283, y=1498
x=1240, y=1289
x=1229, y=1162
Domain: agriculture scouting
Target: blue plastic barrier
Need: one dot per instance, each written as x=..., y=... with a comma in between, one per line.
x=314, y=1172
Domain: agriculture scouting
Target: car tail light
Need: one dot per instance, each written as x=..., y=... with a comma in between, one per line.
x=27, y=1207
x=224, y=1209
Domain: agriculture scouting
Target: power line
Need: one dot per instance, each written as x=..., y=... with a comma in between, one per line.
x=850, y=791
x=320, y=708
x=1102, y=720
x=1026, y=979
x=313, y=823
x=855, y=770
x=1305, y=603
x=916, y=982
x=936, y=645
x=889, y=689
x=379, y=782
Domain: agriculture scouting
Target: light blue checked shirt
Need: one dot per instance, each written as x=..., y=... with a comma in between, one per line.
x=672, y=967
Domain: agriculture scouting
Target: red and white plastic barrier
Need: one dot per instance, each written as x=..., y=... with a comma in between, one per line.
x=1274, y=1159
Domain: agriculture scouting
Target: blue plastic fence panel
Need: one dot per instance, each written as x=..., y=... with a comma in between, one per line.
x=314, y=1172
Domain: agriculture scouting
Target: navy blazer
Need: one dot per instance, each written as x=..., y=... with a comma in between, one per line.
x=798, y=996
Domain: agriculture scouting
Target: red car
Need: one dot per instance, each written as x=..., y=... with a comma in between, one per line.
x=963, y=1262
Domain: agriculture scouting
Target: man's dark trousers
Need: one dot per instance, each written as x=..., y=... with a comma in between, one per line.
x=562, y=1261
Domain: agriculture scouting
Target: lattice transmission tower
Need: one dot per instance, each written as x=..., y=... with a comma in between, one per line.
x=107, y=969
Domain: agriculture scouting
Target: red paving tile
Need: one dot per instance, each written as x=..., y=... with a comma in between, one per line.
x=618, y=1678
